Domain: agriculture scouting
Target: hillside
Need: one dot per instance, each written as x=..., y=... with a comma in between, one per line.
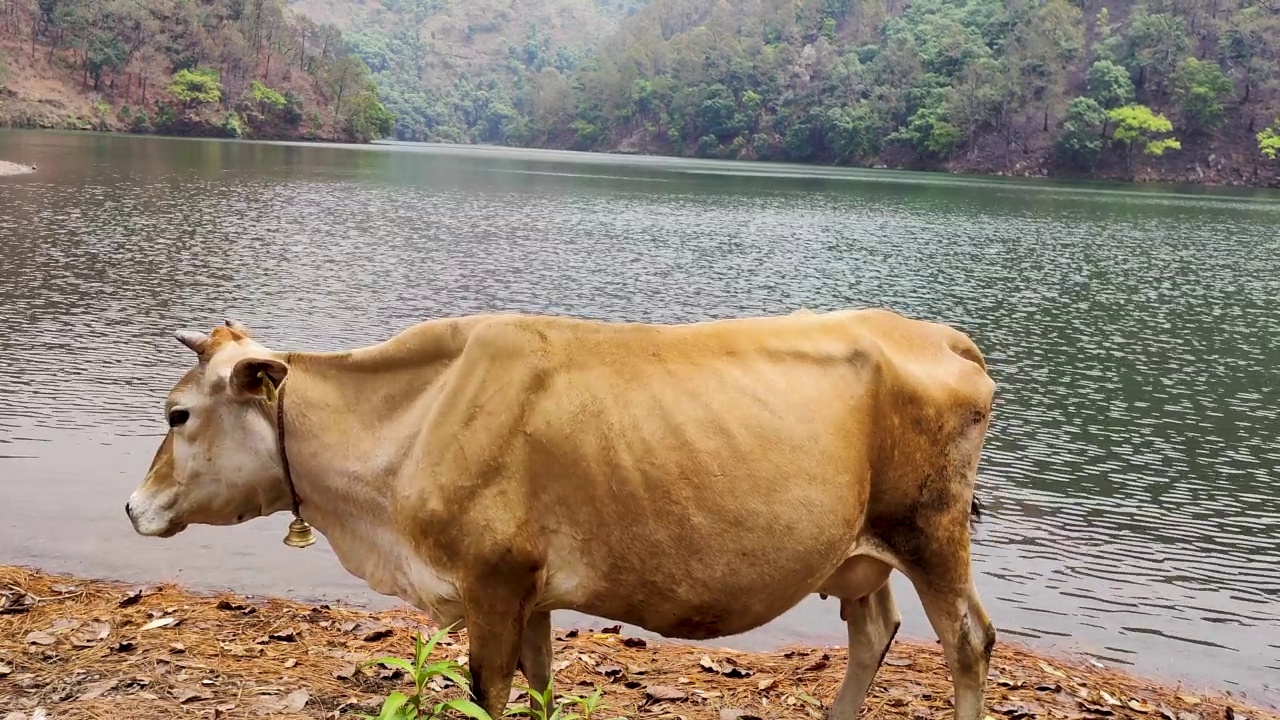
x=226, y=68
x=1181, y=90
x=1161, y=89
x=455, y=70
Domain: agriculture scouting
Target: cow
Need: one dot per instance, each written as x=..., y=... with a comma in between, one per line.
x=696, y=480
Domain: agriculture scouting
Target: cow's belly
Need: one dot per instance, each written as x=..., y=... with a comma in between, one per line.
x=700, y=593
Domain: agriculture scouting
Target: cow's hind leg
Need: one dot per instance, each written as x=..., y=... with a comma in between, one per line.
x=873, y=621
x=967, y=636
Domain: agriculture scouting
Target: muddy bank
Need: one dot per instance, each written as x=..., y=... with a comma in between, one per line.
x=8, y=168
x=88, y=649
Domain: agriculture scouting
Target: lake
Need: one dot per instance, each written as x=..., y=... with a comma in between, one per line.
x=1132, y=467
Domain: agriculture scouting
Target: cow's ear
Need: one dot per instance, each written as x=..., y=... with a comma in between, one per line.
x=249, y=376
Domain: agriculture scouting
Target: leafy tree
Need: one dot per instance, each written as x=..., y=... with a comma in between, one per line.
x=194, y=87
x=1109, y=84
x=1138, y=125
x=1080, y=143
x=1157, y=42
x=267, y=97
x=1269, y=141
x=1200, y=86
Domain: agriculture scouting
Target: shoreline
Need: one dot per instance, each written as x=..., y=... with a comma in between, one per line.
x=1150, y=175
x=85, y=648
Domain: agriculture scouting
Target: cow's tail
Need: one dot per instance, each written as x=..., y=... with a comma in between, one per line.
x=976, y=509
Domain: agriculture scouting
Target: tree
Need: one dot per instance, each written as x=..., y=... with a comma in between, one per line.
x=1200, y=86
x=1138, y=125
x=1269, y=141
x=196, y=87
x=1156, y=43
x=1080, y=143
x=1109, y=84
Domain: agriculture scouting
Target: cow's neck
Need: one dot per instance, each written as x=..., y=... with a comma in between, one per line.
x=352, y=422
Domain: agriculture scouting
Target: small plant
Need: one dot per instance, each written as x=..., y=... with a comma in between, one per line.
x=589, y=705
x=418, y=706
x=399, y=706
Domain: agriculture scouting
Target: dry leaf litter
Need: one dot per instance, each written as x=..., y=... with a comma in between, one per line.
x=75, y=649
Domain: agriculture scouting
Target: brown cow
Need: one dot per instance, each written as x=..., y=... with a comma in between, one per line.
x=696, y=480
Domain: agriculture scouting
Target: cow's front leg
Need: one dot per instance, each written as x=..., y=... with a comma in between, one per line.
x=496, y=618
x=535, y=651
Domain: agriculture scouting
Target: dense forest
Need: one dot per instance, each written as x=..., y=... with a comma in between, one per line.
x=231, y=68
x=1150, y=89
x=1172, y=89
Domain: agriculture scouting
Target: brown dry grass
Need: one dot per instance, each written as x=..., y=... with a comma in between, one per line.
x=81, y=649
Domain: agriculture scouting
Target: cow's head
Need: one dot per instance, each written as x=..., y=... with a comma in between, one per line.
x=219, y=464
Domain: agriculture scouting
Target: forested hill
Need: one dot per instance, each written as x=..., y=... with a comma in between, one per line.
x=1168, y=89
x=230, y=68
x=1183, y=90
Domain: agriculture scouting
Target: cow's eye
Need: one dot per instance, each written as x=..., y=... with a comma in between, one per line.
x=178, y=417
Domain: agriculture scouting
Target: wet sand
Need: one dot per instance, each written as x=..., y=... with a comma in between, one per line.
x=76, y=648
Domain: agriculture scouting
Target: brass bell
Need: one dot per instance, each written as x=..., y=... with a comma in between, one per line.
x=300, y=534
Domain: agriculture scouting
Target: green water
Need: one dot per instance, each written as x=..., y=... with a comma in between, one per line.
x=1132, y=468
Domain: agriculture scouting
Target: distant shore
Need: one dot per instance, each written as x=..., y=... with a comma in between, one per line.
x=78, y=648
x=9, y=168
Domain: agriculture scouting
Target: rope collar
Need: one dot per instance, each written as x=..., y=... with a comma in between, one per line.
x=300, y=534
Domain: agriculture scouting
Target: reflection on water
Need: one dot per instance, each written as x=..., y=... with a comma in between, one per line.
x=1132, y=465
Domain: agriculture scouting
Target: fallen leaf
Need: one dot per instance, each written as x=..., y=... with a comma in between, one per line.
x=1108, y=698
x=94, y=691
x=636, y=670
x=1141, y=706
x=514, y=695
x=91, y=634
x=286, y=635
x=1102, y=710
x=295, y=701
x=559, y=665
x=124, y=646
x=159, y=623
x=223, y=709
x=766, y=683
x=40, y=637
x=730, y=669
x=612, y=630
x=177, y=647
x=609, y=670
x=290, y=662
x=369, y=631
x=898, y=662
x=440, y=683
x=1188, y=716
x=229, y=606
x=1052, y=670
x=709, y=665
x=186, y=695
x=736, y=714
x=819, y=664
x=12, y=603
x=62, y=625
x=1015, y=710
x=664, y=692
x=1166, y=713
x=634, y=642
x=1189, y=699
x=345, y=673
x=133, y=598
